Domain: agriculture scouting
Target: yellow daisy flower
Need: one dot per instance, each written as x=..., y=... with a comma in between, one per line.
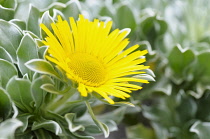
x=93, y=57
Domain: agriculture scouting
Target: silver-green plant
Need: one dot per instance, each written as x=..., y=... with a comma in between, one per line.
x=37, y=100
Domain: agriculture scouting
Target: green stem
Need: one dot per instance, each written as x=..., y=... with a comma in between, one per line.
x=101, y=125
x=40, y=134
x=90, y=110
x=57, y=106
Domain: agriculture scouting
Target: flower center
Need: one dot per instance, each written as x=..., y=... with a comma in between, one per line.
x=87, y=69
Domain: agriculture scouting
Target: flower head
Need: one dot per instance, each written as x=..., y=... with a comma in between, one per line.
x=93, y=57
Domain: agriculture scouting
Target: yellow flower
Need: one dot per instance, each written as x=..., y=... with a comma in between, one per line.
x=93, y=57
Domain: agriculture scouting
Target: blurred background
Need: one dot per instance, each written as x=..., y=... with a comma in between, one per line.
x=177, y=35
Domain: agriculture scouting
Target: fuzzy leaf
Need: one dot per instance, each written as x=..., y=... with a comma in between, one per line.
x=6, y=13
x=153, y=28
x=116, y=115
x=21, y=24
x=69, y=118
x=42, y=51
x=20, y=92
x=9, y=3
x=50, y=88
x=7, y=71
x=129, y=21
x=10, y=37
x=145, y=77
x=5, y=55
x=202, y=67
x=202, y=129
x=153, y=24
x=24, y=119
x=8, y=128
x=41, y=66
x=48, y=125
x=42, y=5
x=46, y=19
x=179, y=59
x=56, y=13
x=37, y=93
x=26, y=51
x=72, y=9
x=105, y=11
x=5, y=104
x=33, y=21
x=103, y=127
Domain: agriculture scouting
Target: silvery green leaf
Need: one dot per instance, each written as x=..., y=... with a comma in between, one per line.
x=146, y=45
x=9, y=3
x=38, y=94
x=8, y=128
x=24, y=118
x=94, y=130
x=202, y=129
x=202, y=68
x=26, y=51
x=10, y=37
x=74, y=106
x=39, y=42
x=103, y=127
x=116, y=115
x=20, y=92
x=48, y=125
x=21, y=24
x=151, y=24
x=186, y=103
x=72, y=9
x=6, y=13
x=150, y=72
x=42, y=51
x=179, y=60
x=7, y=71
x=33, y=20
x=5, y=55
x=50, y=88
x=25, y=76
x=46, y=19
x=42, y=5
x=203, y=107
x=160, y=131
x=15, y=110
x=166, y=90
x=56, y=13
x=5, y=104
x=54, y=5
x=34, y=36
x=145, y=77
x=41, y=66
x=21, y=12
x=111, y=125
x=129, y=21
x=106, y=11
x=70, y=120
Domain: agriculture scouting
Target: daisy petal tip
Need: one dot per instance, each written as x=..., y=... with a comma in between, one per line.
x=111, y=102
